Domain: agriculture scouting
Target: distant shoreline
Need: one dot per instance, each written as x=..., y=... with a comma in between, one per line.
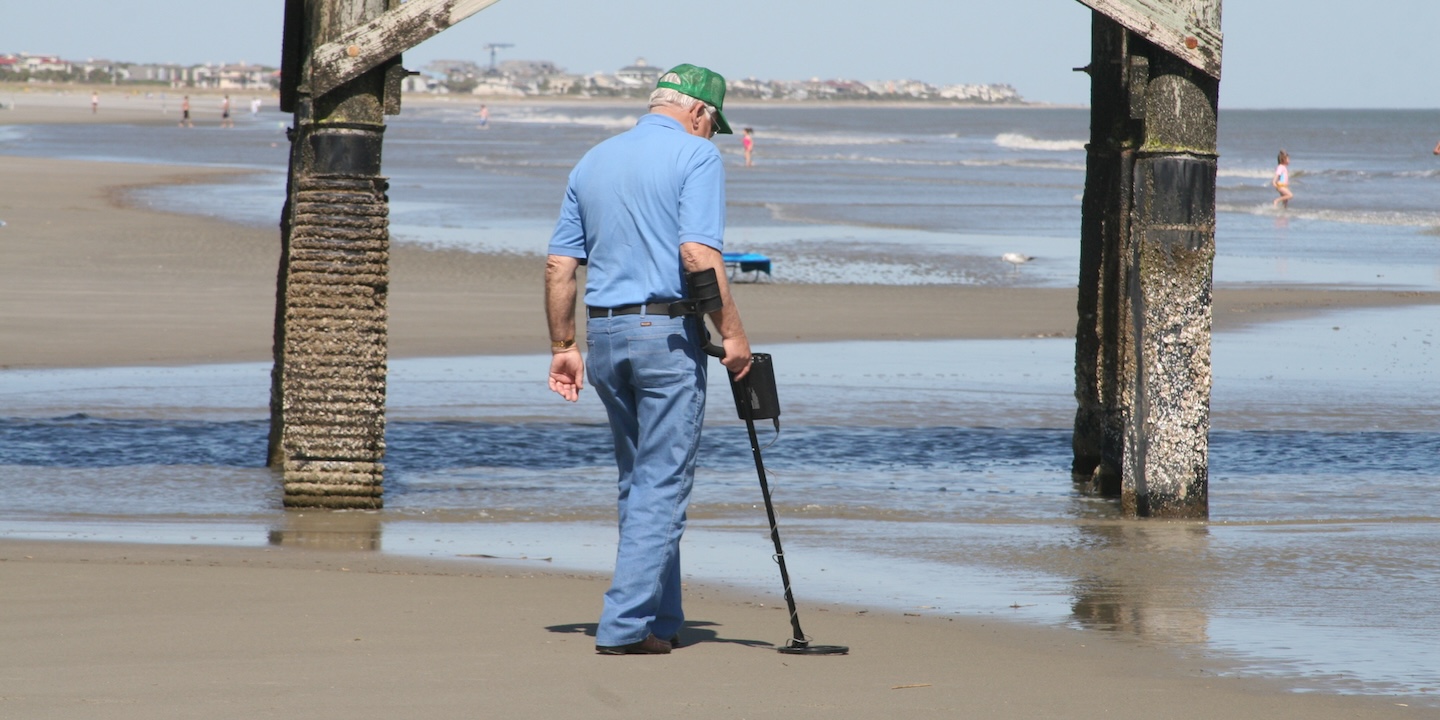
x=81, y=91
x=271, y=98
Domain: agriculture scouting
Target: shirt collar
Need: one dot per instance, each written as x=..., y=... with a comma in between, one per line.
x=662, y=120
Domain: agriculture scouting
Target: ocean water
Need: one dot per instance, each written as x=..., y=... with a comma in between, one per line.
x=929, y=476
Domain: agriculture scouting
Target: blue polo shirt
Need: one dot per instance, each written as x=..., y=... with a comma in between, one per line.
x=630, y=203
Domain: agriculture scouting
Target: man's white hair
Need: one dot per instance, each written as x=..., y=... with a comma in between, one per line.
x=671, y=96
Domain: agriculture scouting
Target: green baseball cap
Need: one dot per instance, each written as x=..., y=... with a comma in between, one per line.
x=703, y=85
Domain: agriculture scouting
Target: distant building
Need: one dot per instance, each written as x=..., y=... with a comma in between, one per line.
x=238, y=76
x=93, y=65
x=639, y=75
x=753, y=88
x=981, y=93
x=526, y=70
x=497, y=86
x=423, y=84
x=559, y=84
x=172, y=75
x=43, y=63
x=817, y=89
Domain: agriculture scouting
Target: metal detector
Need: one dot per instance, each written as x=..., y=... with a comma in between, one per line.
x=756, y=398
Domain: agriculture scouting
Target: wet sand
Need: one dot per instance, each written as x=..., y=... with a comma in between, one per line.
x=154, y=631
x=157, y=631
x=89, y=281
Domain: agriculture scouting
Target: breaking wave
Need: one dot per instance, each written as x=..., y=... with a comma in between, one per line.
x=822, y=138
x=614, y=122
x=958, y=162
x=1246, y=173
x=1016, y=141
x=1394, y=218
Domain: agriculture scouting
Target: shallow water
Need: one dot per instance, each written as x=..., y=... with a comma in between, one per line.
x=868, y=195
x=902, y=483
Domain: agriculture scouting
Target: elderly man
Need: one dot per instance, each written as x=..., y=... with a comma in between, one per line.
x=642, y=210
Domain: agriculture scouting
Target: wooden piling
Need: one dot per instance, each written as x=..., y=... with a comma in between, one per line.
x=1166, y=469
x=327, y=433
x=340, y=76
x=1142, y=359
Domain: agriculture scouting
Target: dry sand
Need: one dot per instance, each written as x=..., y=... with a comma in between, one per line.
x=114, y=631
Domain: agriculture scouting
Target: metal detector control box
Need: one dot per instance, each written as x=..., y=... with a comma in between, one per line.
x=756, y=397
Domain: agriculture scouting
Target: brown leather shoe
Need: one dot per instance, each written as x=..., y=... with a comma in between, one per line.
x=651, y=645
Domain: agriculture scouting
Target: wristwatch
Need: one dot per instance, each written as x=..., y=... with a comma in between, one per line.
x=562, y=344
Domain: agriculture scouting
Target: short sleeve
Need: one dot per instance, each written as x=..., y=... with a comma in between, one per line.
x=568, y=240
x=702, y=201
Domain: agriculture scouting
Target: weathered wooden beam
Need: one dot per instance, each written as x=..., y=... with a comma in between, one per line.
x=366, y=46
x=1187, y=29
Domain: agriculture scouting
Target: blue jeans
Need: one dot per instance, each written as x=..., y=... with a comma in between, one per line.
x=649, y=371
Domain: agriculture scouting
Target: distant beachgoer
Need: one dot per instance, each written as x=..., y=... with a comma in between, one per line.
x=94, y=103
x=748, y=141
x=225, y=121
x=255, y=107
x=1436, y=151
x=484, y=116
x=185, y=112
x=1282, y=180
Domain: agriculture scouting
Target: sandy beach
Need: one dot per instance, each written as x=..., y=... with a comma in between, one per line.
x=120, y=631
x=116, y=631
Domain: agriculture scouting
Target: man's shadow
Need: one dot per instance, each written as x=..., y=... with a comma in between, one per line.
x=693, y=632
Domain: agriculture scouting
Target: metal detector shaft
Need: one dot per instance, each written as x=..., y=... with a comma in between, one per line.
x=757, y=399
x=799, y=639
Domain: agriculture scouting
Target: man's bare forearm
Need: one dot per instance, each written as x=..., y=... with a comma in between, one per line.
x=560, y=292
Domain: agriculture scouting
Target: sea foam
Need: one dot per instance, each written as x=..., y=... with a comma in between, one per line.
x=1016, y=141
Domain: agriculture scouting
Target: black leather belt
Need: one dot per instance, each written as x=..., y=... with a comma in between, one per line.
x=647, y=309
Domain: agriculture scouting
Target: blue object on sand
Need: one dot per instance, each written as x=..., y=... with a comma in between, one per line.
x=746, y=263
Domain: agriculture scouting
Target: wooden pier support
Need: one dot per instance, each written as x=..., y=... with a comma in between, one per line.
x=1142, y=354
x=327, y=396
x=340, y=76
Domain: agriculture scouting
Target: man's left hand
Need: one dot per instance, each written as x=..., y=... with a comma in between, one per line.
x=567, y=374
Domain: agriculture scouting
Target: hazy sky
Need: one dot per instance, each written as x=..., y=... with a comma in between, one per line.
x=1278, y=53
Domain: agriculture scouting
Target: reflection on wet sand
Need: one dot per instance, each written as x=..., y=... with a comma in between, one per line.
x=1151, y=582
x=319, y=530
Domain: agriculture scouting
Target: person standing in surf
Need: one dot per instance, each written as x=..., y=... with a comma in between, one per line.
x=1281, y=181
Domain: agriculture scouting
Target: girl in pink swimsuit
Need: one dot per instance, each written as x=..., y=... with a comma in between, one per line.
x=1282, y=180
